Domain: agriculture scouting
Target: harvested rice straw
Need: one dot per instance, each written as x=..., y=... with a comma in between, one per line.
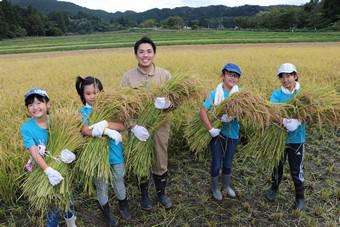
x=93, y=160
x=139, y=155
x=253, y=112
x=197, y=135
x=266, y=147
x=318, y=107
x=63, y=134
x=123, y=104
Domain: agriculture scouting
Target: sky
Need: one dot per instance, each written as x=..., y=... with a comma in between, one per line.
x=143, y=5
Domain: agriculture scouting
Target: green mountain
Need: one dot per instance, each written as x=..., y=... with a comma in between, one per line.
x=49, y=6
x=187, y=13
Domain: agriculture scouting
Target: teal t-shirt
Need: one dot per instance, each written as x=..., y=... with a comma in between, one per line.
x=32, y=134
x=115, y=151
x=299, y=135
x=231, y=129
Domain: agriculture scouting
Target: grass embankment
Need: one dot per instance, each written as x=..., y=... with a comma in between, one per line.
x=164, y=38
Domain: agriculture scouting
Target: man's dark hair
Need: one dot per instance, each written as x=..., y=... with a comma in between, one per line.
x=144, y=40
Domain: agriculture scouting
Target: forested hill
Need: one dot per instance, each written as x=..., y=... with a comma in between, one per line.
x=49, y=6
x=20, y=18
x=187, y=13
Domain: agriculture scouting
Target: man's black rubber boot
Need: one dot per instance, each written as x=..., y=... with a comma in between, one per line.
x=160, y=183
x=124, y=209
x=110, y=220
x=145, y=201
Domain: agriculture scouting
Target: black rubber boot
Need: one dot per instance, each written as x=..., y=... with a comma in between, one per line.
x=124, y=209
x=271, y=194
x=145, y=201
x=160, y=183
x=108, y=215
x=299, y=197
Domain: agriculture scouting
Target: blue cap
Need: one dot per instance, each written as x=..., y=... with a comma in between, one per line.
x=37, y=91
x=232, y=68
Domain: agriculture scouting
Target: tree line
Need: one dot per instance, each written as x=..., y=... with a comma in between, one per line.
x=314, y=15
x=18, y=22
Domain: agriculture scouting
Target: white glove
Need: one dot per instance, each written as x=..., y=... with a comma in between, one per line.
x=113, y=134
x=140, y=133
x=214, y=132
x=291, y=124
x=67, y=156
x=41, y=149
x=98, y=128
x=162, y=103
x=225, y=118
x=54, y=177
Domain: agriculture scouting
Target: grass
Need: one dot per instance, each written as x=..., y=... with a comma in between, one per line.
x=189, y=177
x=163, y=38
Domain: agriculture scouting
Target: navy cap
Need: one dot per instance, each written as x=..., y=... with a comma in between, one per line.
x=37, y=91
x=232, y=68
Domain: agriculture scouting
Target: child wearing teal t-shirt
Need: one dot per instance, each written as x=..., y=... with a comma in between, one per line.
x=295, y=148
x=87, y=89
x=34, y=133
x=224, y=141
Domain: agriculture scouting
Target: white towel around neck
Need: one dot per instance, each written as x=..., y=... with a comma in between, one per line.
x=296, y=88
x=88, y=105
x=219, y=93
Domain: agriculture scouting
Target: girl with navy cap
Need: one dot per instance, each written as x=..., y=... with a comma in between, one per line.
x=295, y=148
x=34, y=133
x=223, y=141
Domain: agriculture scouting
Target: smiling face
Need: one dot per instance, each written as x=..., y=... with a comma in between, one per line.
x=230, y=79
x=288, y=80
x=90, y=94
x=145, y=55
x=38, y=109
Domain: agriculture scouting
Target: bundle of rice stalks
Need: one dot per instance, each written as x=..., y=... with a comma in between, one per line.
x=122, y=104
x=266, y=147
x=93, y=159
x=197, y=135
x=63, y=134
x=253, y=112
x=139, y=155
x=317, y=107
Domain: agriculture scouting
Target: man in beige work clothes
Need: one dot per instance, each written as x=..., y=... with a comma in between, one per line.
x=147, y=74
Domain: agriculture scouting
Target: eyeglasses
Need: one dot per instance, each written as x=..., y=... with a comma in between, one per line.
x=231, y=74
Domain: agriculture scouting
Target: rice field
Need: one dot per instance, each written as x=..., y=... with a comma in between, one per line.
x=318, y=66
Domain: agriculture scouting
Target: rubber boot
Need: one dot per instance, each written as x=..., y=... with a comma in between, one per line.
x=216, y=192
x=108, y=215
x=71, y=222
x=271, y=194
x=226, y=185
x=299, y=197
x=160, y=184
x=145, y=201
x=124, y=209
